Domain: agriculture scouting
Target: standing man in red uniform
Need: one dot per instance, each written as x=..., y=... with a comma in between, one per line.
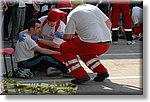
x=94, y=38
x=117, y=8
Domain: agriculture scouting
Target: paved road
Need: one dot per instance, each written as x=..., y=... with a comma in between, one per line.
x=124, y=63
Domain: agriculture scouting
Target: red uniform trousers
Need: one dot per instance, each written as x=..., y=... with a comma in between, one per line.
x=88, y=53
x=138, y=30
x=58, y=57
x=116, y=10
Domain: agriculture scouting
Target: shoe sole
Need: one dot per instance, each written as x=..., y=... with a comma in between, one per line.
x=80, y=81
x=103, y=77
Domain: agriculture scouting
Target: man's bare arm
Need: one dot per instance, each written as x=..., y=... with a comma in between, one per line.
x=45, y=51
x=108, y=23
x=49, y=43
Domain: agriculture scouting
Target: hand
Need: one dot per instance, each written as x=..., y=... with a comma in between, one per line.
x=35, y=37
x=59, y=34
x=21, y=36
x=58, y=53
x=6, y=8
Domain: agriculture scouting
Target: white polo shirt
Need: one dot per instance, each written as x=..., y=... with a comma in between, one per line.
x=23, y=50
x=89, y=22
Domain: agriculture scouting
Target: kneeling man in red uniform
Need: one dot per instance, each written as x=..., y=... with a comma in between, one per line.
x=94, y=39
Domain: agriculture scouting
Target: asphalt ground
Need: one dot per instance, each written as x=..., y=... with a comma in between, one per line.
x=125, y=66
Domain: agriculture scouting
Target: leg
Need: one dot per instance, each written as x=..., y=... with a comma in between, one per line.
x=94, y=64
x=72, y=62
x=126, y=16
x=29, y=14
x=74, y=47
x=22, y=18
x=127, y=21
x=115, y=19
x=138, y=29
x=13, y=34
x=6, y=22
x=115, y=37
x=39, y=61
x=18, y=23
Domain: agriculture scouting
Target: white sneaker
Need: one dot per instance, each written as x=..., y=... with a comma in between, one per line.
x=51, y=71
x=130, y=42
x=115, y=42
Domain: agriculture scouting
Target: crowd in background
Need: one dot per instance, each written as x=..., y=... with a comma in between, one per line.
x=17, y=14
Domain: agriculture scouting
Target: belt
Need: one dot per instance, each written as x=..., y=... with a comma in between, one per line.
x=107, y=42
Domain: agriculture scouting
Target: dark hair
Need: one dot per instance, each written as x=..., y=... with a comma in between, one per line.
x=32, y=23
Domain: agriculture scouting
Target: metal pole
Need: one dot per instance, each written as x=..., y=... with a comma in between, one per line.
x=12, y=65
x=5, y=66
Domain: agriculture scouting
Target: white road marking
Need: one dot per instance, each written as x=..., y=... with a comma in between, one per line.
x=126, y=77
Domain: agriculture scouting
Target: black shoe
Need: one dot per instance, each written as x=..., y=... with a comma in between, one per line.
x=141, y=38
x=82, y=80
x=6, y=39
x=102, y=77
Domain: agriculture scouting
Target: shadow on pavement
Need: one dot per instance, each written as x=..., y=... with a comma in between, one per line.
x=107, y=88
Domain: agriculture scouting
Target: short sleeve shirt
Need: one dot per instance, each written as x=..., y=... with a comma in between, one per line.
x=89, y=22
x=23, y=50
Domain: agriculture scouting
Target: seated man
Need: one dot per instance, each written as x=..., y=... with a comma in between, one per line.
x=24, y=51
x=52, y=31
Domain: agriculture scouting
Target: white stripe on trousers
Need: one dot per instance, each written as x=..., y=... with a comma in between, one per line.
x=74, y=67
x=71, y=62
